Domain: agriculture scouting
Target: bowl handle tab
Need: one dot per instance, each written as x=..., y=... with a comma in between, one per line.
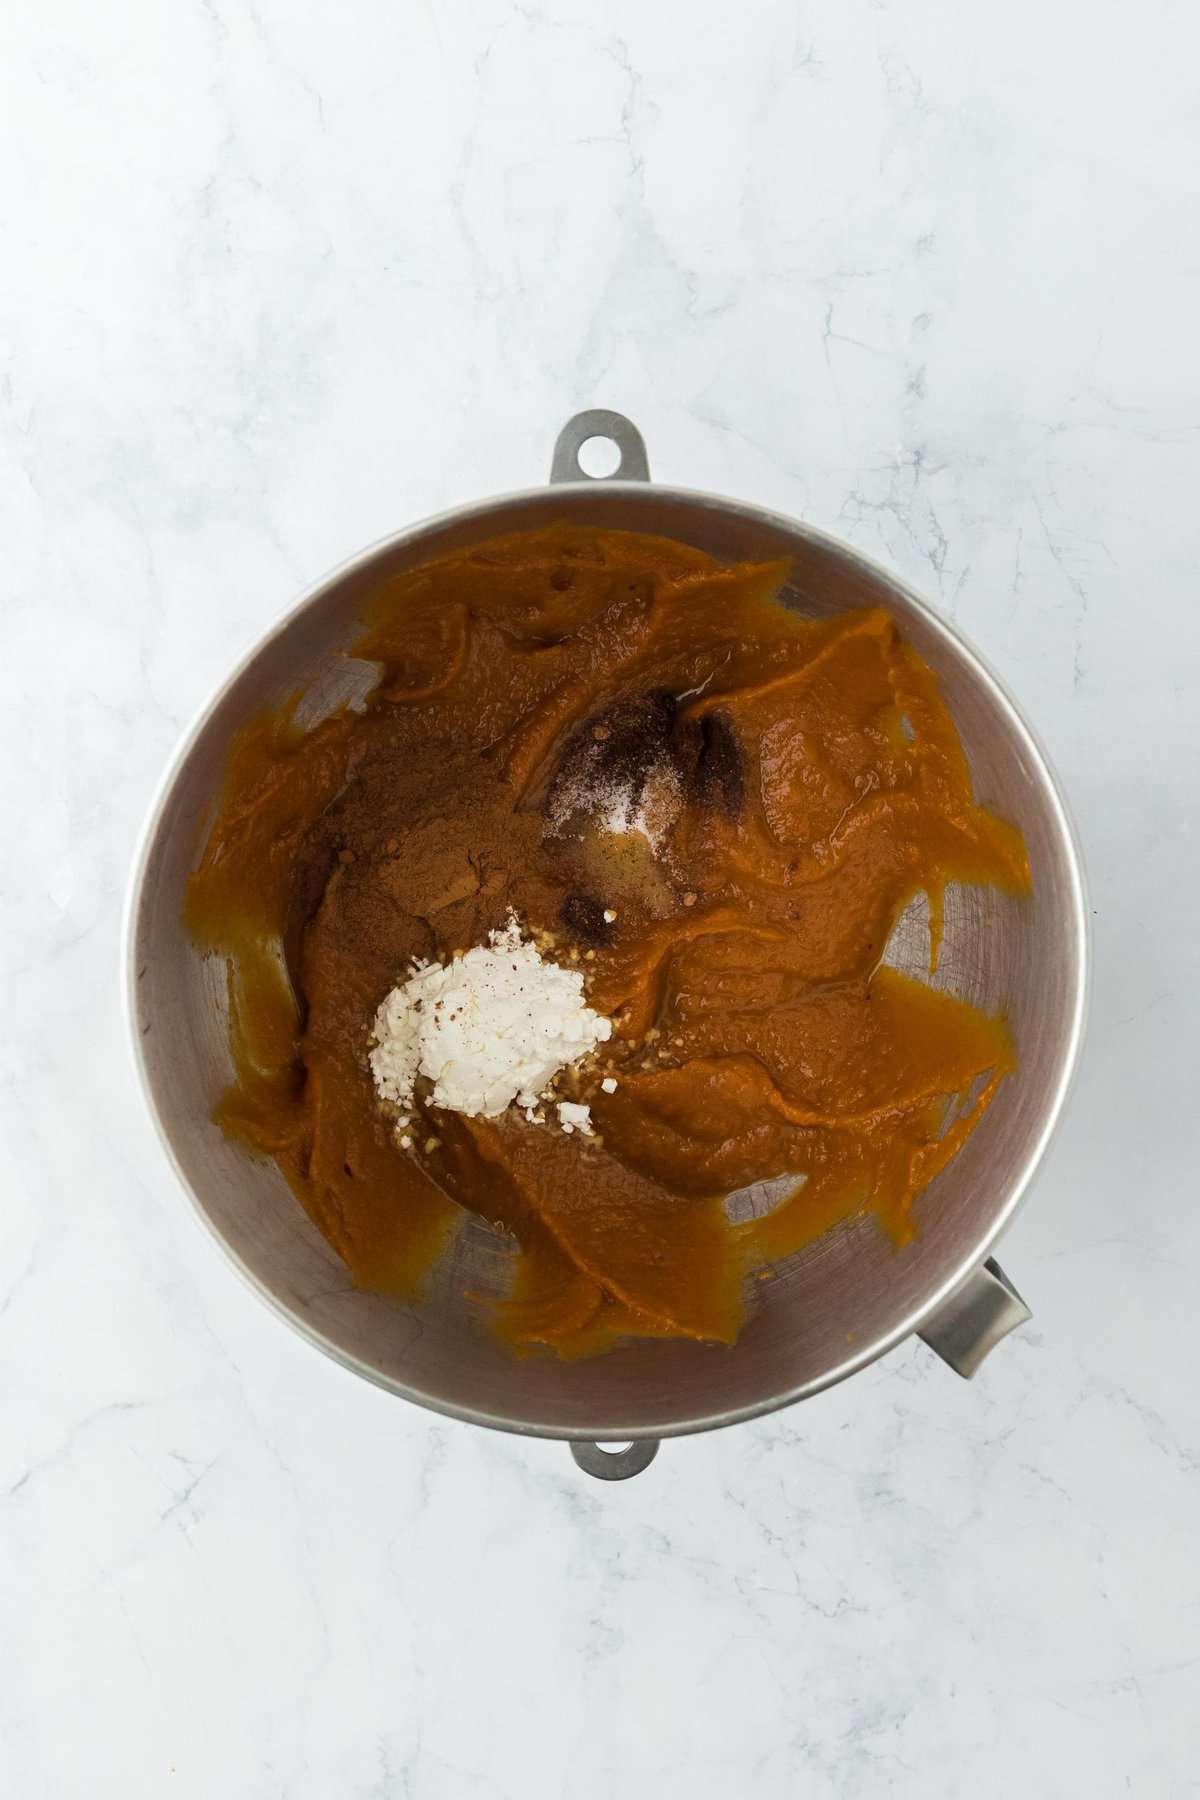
x=617, y=1464
x=599, y=423
x=972, y=1322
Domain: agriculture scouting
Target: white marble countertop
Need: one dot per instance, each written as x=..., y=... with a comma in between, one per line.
x=281, y=278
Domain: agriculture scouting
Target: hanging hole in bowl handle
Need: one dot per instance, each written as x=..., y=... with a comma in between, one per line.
x=613, y=429
x=614, y=1462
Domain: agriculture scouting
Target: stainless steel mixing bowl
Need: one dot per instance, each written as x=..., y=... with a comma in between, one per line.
x=832, y=1308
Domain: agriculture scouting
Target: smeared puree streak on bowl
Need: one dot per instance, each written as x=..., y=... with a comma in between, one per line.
x=712, y=807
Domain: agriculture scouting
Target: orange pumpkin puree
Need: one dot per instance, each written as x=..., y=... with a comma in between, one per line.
x=799, y=781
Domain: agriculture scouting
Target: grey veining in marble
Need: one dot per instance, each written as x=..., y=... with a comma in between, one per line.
x=280, y=278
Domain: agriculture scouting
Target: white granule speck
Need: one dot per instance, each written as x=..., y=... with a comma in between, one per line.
x=572, y=1117
x=649, y=805
x=609, y=915
x=609, y=1085
x=493, y=1026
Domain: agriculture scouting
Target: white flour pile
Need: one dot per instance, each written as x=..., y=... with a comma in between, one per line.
x=492, y=1027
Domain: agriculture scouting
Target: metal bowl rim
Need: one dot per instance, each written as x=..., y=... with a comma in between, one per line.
x=998, y=692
